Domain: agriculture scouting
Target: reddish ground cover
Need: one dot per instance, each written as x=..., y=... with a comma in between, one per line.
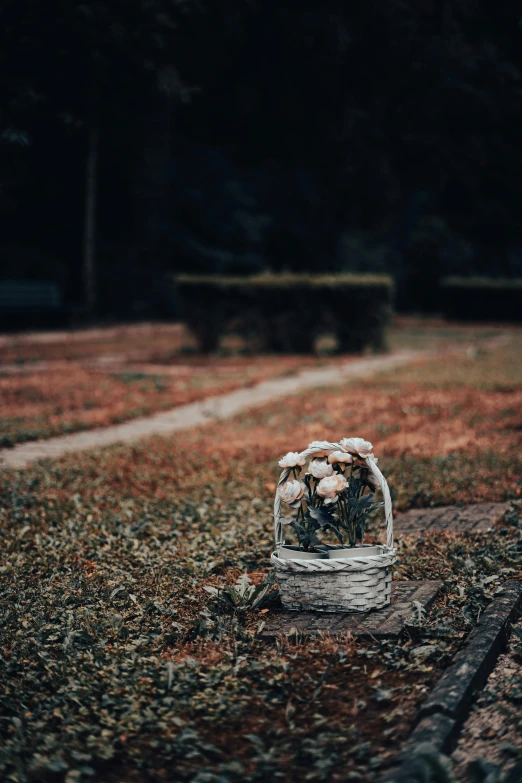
x=423, y=422
x=438, y=443
x=70, y=395
x=54, y=383
x=142, y=342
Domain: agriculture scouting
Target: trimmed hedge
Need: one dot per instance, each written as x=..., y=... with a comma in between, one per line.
x=482, y=298
x=285, y=313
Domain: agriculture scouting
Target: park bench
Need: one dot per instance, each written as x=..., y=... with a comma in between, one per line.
x=30, y=303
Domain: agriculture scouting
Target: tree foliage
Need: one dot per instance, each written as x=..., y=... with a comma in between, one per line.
x=55, y=54
x=375, y=137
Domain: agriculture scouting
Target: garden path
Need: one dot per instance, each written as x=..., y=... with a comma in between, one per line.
x=200, y=413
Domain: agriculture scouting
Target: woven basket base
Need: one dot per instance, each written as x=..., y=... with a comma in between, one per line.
x=339, y=591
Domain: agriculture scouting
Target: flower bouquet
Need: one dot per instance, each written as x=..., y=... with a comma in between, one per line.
x=335, y=499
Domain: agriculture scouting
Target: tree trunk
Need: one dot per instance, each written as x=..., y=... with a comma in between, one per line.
x=89, y=232
x=152, y=204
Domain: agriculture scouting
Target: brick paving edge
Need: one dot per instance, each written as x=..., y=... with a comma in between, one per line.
x=444, y=712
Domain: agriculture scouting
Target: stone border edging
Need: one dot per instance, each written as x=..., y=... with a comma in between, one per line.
x=445, y=710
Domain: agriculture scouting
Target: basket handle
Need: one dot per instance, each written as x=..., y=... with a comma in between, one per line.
x=370, y=462
x=388, y=509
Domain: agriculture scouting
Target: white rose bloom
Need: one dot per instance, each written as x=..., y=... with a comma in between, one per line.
x=320, y=469
x=291, y=460
x=340, y=456
x=292, y=492
x=330, y=487
x=357, y=446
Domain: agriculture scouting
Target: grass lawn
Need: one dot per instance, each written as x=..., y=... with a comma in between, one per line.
x=118, y=665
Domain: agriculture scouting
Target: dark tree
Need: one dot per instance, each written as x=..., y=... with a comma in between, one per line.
x=365, y=136
x=86, y=67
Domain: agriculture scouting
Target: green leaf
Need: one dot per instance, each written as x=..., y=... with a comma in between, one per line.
x=321, y=515
x=242, y=584
x=366, y=501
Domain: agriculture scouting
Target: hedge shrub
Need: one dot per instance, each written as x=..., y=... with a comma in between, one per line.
x=482, y=298
x=285, y=313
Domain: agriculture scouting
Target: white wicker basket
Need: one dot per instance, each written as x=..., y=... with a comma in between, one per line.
x=345, y=584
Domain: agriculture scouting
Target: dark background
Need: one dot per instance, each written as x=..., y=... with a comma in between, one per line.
x=378, y=136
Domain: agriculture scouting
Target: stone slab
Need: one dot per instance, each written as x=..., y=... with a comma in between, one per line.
x=477, y=517
x=381, y=624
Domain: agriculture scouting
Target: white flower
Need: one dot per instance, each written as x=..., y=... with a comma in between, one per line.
x=320, y=469
x=340, y=456
x=330, y=487
x=357, y=446
x=291, y=460
x=292, y=492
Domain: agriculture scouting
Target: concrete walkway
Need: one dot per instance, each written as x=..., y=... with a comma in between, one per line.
x=200, y=413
